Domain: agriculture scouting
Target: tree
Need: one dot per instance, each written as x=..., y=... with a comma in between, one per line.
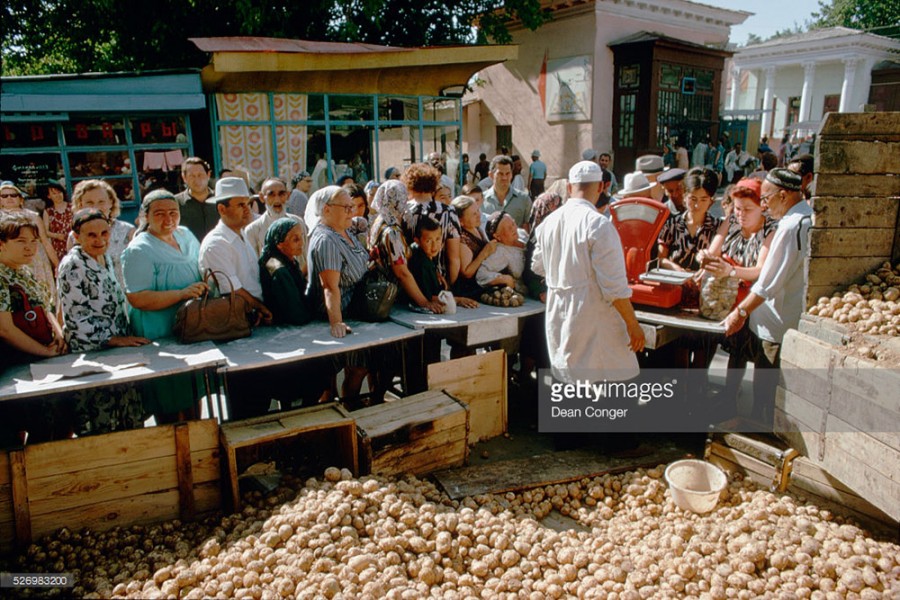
x=858, y=14
x=76, y=36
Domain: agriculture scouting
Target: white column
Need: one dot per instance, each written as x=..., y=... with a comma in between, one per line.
x=767, y=100
x=847, y=90
x=809, y=73
x=735, y=84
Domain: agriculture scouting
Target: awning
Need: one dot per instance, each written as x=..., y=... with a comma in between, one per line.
x=277, y=65
x=120, y=92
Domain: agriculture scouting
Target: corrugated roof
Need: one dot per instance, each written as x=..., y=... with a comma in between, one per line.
x=647, y=36
x=264, y=44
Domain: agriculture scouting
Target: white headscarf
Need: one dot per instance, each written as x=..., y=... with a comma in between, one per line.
x=317, y=204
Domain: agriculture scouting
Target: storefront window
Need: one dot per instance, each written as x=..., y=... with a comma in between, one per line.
x=398, y=109
x=29, y=135
x=158, y=130
x=351, y=108
x=95, y=131
x=444, y=140
x=351, y=150
x=398, y=146
x=31, y=172
x=159, y=168
x=440, y=109
x=99, y=164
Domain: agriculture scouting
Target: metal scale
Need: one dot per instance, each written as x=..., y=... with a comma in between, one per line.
x=639, y=221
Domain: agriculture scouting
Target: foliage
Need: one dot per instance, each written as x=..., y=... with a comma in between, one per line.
x=858, y=14
x=71, y=36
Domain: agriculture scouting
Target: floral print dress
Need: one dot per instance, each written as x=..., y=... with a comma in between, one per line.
x=94, y=310
x=60, y=223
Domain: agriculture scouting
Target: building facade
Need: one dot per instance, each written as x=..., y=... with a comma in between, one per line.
x=560, y=94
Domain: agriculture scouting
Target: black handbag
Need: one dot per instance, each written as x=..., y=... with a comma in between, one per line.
x=375, y=295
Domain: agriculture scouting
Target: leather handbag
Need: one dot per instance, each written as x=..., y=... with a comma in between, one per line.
x=217, y=319
x=375, y=293
x=32, y=320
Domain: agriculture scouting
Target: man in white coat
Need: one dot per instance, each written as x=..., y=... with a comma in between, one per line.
x=592, y=331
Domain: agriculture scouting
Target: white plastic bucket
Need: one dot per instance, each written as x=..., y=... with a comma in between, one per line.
x=695, y=484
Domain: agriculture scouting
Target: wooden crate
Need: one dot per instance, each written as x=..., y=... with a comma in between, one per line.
x=765, y=461
x=479, y=381
x=111, y=480
x=242, y=441
x=414, y=435
x=812, y=483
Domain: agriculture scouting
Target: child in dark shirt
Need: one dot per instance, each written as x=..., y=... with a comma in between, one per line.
x=422, y=261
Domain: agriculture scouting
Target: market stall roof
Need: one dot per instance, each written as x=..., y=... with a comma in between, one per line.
x=244, y=64
x=100, y=92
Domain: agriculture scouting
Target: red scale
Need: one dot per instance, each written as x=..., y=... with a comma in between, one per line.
x=639, y=221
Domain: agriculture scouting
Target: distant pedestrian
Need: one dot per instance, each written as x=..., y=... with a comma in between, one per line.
x=537, y=174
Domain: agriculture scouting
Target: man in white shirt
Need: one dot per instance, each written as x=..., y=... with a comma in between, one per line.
x=502, y=196
x=592, y=331
x=775, y=301
x=224, y=248
x=274, y=194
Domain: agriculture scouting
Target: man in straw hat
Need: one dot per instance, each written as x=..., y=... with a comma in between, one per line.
x=225, y=249
x=591, y=325
x=775, y=301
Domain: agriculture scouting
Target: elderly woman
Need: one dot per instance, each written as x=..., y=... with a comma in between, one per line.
x=389, y=246
x=739, y=250
x=283, y=282
x=422, y=182
x=28, y=329
x=337, y=262
x=57, y=217
x=160, y=267
x=94, y=316
x=96, y=193
x=45, y=261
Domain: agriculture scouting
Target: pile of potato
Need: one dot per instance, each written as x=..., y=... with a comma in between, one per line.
x=872, y=307
x=377, y=538
x=717, y=296
x=505, y=296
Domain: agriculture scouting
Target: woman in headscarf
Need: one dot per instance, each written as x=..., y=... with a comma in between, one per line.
x=283, y=282
x=314, y=207
x=389, y=245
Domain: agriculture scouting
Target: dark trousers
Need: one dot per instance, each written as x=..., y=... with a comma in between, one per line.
x=766, y=359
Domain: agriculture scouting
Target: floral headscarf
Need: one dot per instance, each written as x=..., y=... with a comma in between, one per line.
x=390, y=202
x=317, y=203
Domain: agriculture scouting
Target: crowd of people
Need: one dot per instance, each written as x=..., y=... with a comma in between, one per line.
x=79, y=279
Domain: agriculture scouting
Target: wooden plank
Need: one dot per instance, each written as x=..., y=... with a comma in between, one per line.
x=862, y=212
x=204, y=434
x=851, y=241
x=184, y=471
x=480, y=382
x=451, y=454
x=804, y=414
x=859, y=125
x=765, y=448
x=761, y=479
x=738, y=462
x=267, y=428
x=872, y=452
x=867, y=157
x=801, y=349
x=147, y=508
x=418, y=434
x=842, y=271
x=409, y=413
x=6, y=502
x=856, y=185
x=111, y=449
x=838, y=494
x=5, y=476
x=21, y=504
x=868, y=380
x=806, y=442
x=813, y=386
x=545, y=469
x=128, y=480
x=7, y=537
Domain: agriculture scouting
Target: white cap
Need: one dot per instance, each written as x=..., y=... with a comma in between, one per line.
x=536, y=153
x=586, y=171
x=589, y=154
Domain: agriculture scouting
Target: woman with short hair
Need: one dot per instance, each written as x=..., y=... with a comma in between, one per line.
x=44, y=263
x=96, y=193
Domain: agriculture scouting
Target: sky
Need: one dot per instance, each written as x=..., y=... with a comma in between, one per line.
x=769, y=15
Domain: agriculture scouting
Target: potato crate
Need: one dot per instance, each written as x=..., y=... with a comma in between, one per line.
x=289, y=441
x=479, y=381
x=110, y=480
x=763, y=459
x=414, y=435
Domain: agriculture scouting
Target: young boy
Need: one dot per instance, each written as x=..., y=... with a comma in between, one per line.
x=423, y=261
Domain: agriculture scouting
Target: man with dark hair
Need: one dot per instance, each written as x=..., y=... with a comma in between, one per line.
x=196, y=214
x=803, y=166
x=775, y=301
x=502, y=196
x=483, y=168
x=299, y=198
x=225, y=249
x=605, y=162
